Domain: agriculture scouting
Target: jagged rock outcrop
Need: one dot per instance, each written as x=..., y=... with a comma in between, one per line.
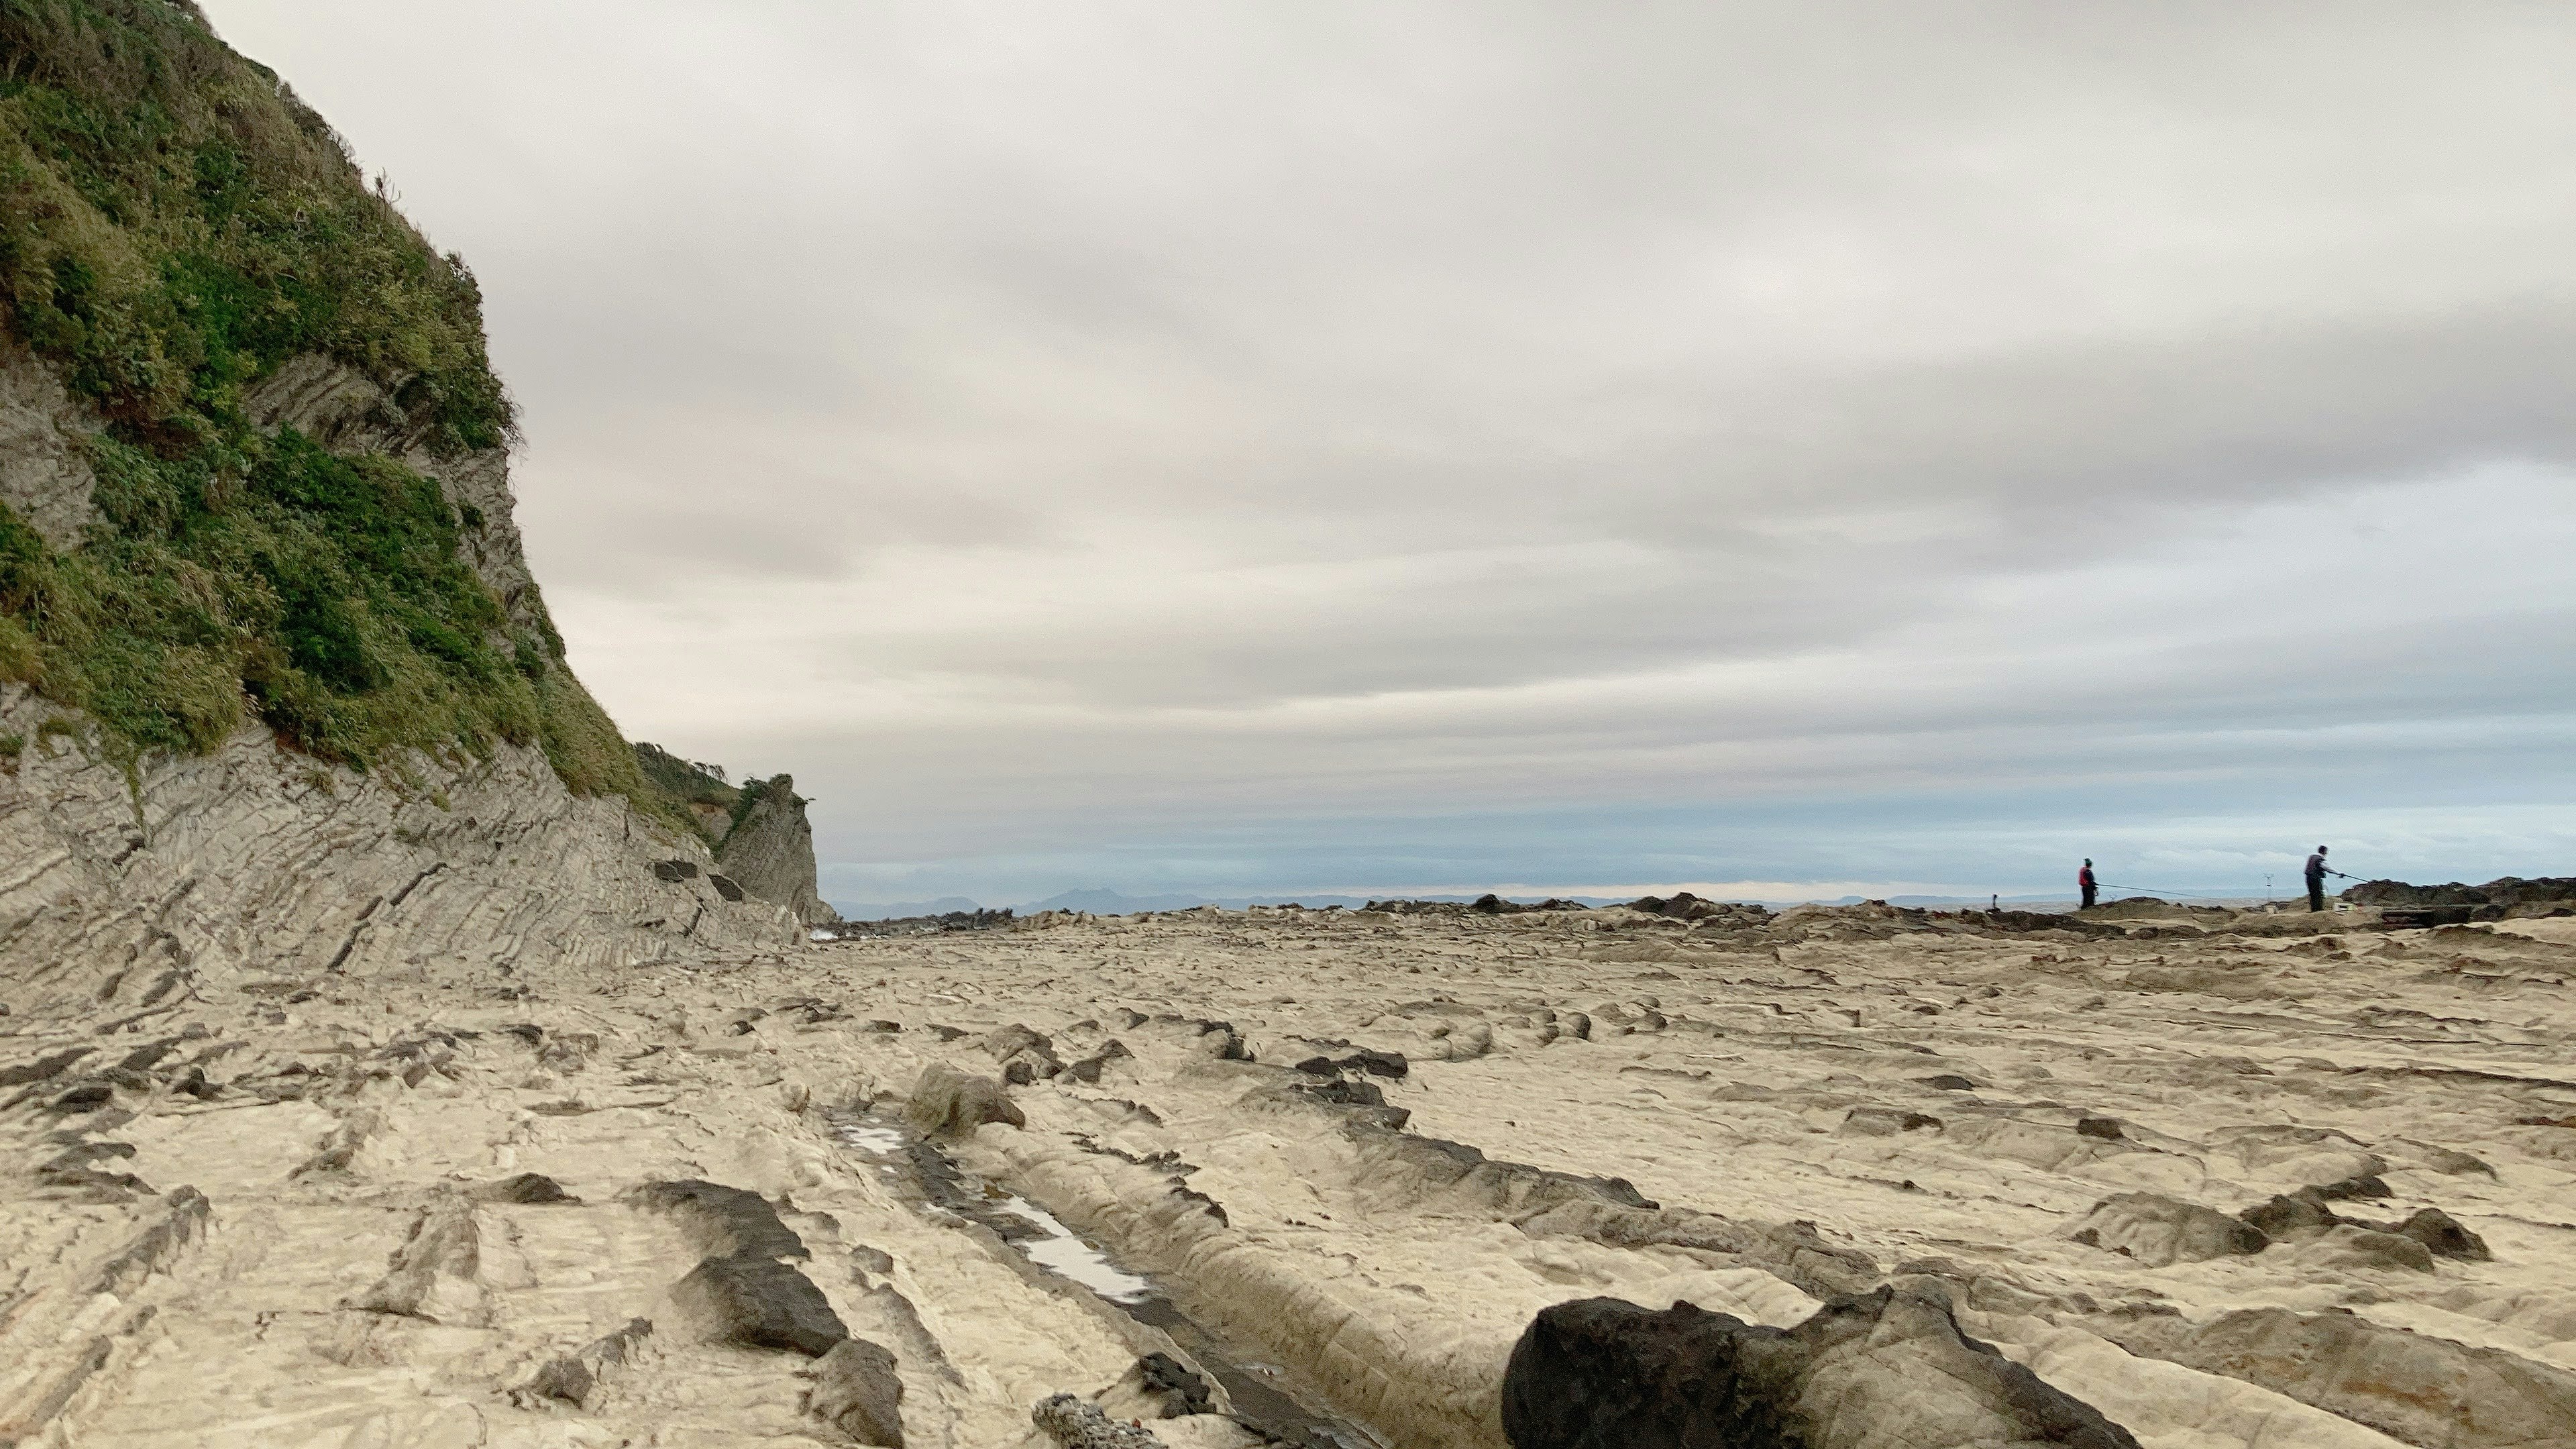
x=770, y=850
x=2504, y=891
x=256, y=861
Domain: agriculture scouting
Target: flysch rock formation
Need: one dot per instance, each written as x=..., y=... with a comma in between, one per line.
x=770, y=851
x=1924, y=1182
x=255, y=860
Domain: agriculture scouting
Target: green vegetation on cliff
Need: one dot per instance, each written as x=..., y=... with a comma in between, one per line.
x=175, y=225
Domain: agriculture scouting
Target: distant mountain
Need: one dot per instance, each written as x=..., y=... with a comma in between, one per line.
x=902, y=910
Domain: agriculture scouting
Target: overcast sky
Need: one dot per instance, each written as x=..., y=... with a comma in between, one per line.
x=1372, y=447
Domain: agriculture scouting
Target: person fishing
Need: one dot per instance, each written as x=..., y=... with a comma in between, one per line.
x=2317, y=873
x=2084, y=881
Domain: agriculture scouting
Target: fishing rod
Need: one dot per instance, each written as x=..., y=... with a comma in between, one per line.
x=2200, y=895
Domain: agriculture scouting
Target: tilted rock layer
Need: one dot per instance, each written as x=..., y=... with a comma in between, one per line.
x=1925, y=1183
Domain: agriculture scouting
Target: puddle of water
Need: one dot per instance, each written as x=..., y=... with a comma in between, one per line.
x=1068, y=1256
x=1259, y=1400
x=884, y=1141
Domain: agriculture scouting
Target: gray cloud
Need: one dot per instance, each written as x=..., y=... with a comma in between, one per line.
x=1119, y=436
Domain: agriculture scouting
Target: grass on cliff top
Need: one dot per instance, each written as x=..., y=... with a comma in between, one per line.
x=174, y=224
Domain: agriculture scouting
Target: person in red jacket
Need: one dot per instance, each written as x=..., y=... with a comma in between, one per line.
x=2085, y=882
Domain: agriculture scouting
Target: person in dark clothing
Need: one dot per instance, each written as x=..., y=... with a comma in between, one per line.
x=2084, y=881
x=2317, y=874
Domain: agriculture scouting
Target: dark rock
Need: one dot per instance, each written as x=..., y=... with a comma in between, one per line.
x=948, y=1103
x=1032, y=1051
x=1340, y=1093
x=2504, y=891
x=1601, y=1373
x=1948, y=1082
x=42, y=1069
x=882, y=1025
x=87, y=1097
x=144, y=1059
x=527, y=1187
x=1377, y=1064
x=758, y=1302
x=1166, y=1375
x=857, y=1391
x=1087, y=1071
x=721, y=1221
x=1887, y=1121
x=1317, y=1067
x=725, y=886
x=87, y=1154
x=2360, y=1186
x=675, y=870
x=2283, y=1216
x=865, y=1260
x=2443, y=1236
x=2105, y=1128
x=1014, y=1040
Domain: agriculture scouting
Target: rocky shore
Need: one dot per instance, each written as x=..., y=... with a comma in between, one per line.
x=1446, y=1178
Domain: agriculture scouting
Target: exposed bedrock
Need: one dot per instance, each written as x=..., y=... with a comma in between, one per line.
x=948, y=1103
x=2159, y=1231
x=432, y=1275
x=253, y=861
x=1887, y=1371
x=577, y=1378
x=759, y=1303
x=743, y=1291
x=2424, y=1390
x=858, y=1392
x=770, y=850
x=721, y=1221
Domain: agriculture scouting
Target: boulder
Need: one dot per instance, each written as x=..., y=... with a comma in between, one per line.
x=949, y=1103
x=1888, y=1368
x=2442, y=1235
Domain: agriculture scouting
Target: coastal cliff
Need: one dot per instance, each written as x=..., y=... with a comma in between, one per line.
x=278, y=692
x=762, y=839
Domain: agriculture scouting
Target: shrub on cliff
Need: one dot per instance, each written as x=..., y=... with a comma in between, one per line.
x=174, y=225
